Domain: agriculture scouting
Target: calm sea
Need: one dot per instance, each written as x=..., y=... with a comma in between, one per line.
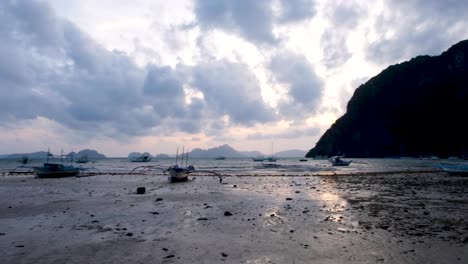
x=246, y=166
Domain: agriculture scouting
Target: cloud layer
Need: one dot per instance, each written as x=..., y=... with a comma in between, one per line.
x=281, y=61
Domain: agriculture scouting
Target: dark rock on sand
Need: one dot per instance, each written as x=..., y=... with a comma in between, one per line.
x=227, y=213
x=141, y=190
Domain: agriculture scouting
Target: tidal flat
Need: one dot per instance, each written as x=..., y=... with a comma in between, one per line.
x=361, y=218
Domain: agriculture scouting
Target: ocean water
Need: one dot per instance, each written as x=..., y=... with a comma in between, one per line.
x=245, y=166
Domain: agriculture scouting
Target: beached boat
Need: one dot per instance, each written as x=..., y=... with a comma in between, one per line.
x=337, y=161
x=220, y=158
x=302, y=159
x=455, y=169
x=145, y=157
x=55, y=170
x=271, y=159
x=82, y=159
x=179, y=174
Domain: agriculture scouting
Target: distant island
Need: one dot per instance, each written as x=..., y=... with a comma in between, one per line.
x=229, y=152
x=91, y=154
x=415, y=108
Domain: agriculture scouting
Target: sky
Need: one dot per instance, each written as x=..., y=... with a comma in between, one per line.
x=123, y=76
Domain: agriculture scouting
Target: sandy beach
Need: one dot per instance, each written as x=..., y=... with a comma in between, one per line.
x=367, y=218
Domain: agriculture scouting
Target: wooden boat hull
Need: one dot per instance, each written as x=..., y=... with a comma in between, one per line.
x=178, y=175
x=47, y=173
x=54, y=170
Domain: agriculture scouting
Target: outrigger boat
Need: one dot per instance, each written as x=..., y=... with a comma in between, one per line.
x=55, y=170
x=180, y=173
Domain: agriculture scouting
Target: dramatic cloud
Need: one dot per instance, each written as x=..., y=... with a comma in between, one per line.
x=206, y=69
x=304, y=86
x=252, y=20
x=409, y=28
x=231, y=89
x=296, y=10
x=343, y=18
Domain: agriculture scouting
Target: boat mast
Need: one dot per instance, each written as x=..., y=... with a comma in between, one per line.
x=177, y=155
x=182, y=160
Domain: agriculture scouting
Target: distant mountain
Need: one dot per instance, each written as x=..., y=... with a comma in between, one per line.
x=32, y=155
x=224, y=150
x=414, y=108
x=295, y=153
x=92, y=154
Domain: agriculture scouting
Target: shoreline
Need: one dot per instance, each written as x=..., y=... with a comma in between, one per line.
x=360, y=218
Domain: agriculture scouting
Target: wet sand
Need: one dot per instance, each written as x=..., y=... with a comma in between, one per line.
x=382, y=218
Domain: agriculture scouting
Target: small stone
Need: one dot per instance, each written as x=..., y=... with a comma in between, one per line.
x=224, y=255
x=202, y=219
x=289, y=199
x=129, y=234
x=141, y=190
x=227, y=213
x=170, y=256
x=159, y=199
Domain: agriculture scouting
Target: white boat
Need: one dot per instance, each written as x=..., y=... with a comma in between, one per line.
x=271, y=159
x=455, y=169
x=145, y=157
x=337, y=161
